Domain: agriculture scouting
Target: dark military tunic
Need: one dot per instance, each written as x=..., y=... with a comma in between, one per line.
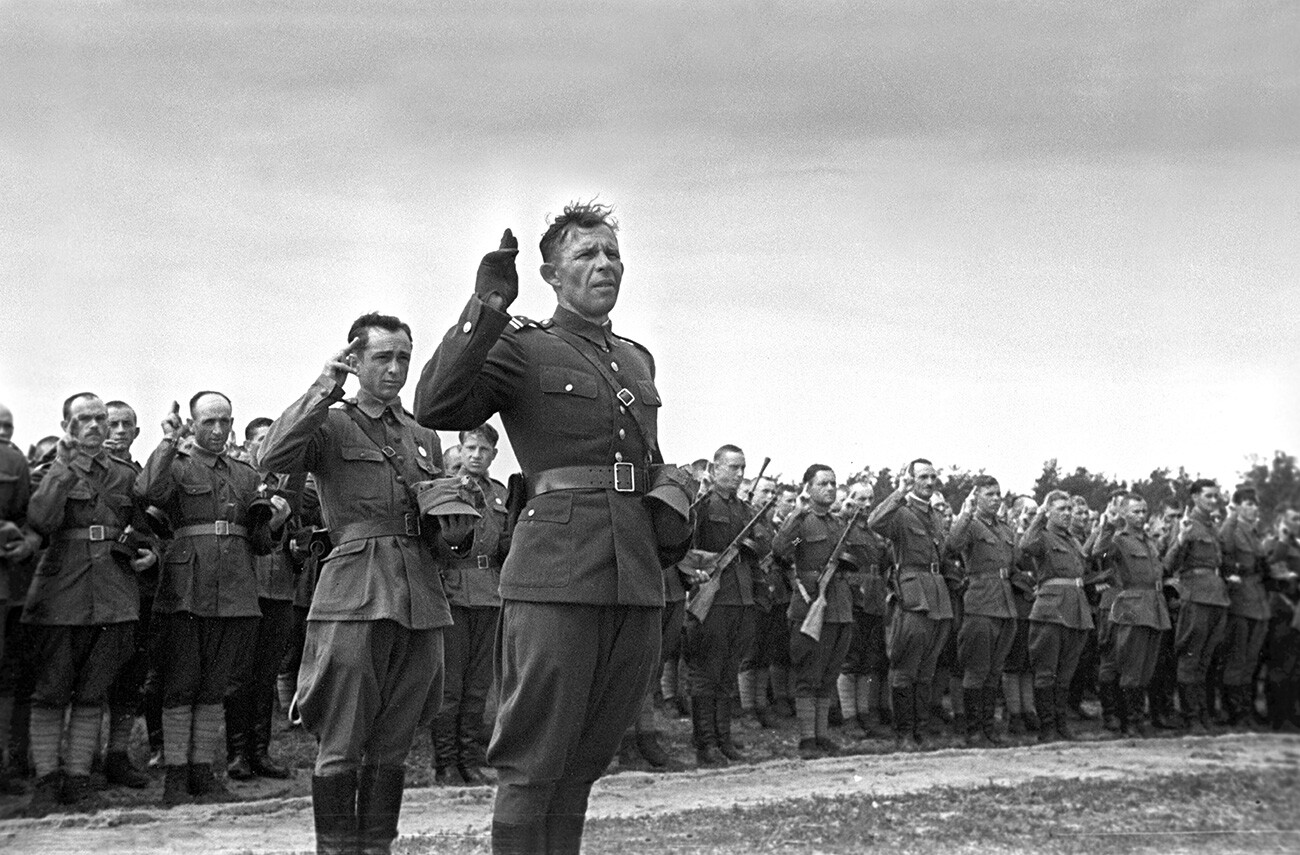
x=1137, y=611
x=582, y=587
x=988, y=627
x=1194, y=558
x=1061, y=617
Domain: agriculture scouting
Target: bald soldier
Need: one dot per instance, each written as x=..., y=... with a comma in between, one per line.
x=206, y=605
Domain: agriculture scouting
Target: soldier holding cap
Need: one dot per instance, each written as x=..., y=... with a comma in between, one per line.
x=206, y=606
x=371, y=669
x=84, y=601
x=471, y=582
x=582, y=589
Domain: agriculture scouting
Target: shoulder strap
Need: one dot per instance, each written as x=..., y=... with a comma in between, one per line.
x=621, y=392
x=390, y=453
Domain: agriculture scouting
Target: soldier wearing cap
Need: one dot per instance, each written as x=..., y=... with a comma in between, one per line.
x=582, y=589
x=1248, y=614
x=987, y=546
x=371, y=671
x=1136, y=613
x=206, y=605
x=471, y=582
x=84, y=601
x=923, y=621
x=1061, y=618
x=1195, y=557
x=808, y=539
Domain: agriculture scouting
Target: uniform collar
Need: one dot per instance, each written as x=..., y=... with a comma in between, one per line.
x=597, y=334
x=84, y=463
x=375, y=408
x=207, y=458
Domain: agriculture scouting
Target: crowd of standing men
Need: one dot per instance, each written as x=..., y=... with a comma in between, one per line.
x=340, y=566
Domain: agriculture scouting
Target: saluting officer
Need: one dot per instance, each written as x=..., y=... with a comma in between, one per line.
x=987, y=546
x=1195, y=557
x=371, y=669
x=923, y=621
x=1248, y=613
x=582, y=589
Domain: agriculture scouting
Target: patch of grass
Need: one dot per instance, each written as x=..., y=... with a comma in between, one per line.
x=1252, y=812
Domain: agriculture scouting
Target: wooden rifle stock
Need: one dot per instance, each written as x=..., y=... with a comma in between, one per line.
x=812, y=622
x=703, y=598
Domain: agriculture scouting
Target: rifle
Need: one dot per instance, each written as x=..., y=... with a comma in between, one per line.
x=702, y=601
x=753, y=485
x=812, y=623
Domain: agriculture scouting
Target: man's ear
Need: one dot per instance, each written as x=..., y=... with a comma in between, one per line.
x=550, y=275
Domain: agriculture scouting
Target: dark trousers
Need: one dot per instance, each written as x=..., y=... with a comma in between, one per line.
x=866, y=656
x=250, y=701
x=292, y=658
x=364, y=689
x=1197, y=637
x=197, y=656
x=713, y=648
x=573, y=678
x=982, y=647
x=915, y=642
x=817, y=664
x=1136, y=650
x=1243, y=642
x=770, y=643
x=1054, y=652
x=467, y=678
x=78, y=663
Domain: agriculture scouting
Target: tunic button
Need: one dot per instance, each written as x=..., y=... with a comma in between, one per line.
x=614, y=365
x=467, y=327
x=568, y=387
x=401, y=480
x=622, y=409
x=532, y=511
x=618, y=455
x=622, y=434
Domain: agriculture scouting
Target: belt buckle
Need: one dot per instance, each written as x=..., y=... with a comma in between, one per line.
x=624, y=477
x=1078, y=582
x=484, y=562
x=1004, y=573
x=934, y=568
x=221, y=528
x=626, y=397
x=388, y=451
x=412, y=524
x=97, y=532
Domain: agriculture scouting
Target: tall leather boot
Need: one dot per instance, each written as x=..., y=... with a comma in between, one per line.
x=1045, y=704
x=1135, y=707
x=1191, y=697
x=334, y=809
x=722, y=724
x=511, y=839
x=972, y=700
x=1109, y=694
x=921, y=714
x=704, y=734
x=379, y=803
x=904, y=720
x=238, y=734
x=1062, y=713
x=988, y=714
x=259, y=744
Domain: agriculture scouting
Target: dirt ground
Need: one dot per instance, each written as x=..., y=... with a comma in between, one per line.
x=284, y=823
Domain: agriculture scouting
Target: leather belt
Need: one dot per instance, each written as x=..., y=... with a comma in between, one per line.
x=94, y=533
x=999, y=573
x=407, y=525
x=1200, y=571
x=220, y=528
x=620, y=477
x=934, y=569
x=1076, y=582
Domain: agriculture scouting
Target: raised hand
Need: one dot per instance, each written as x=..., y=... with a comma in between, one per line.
x=173, y=426
x=497, y=281
x=340, y=365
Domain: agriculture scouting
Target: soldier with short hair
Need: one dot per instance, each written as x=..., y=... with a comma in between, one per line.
x=206, y=606
x=1248, y=611
x=84, y=600
x=18, y=543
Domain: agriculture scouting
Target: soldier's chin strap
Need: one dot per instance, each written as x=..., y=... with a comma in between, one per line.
x=621, y=392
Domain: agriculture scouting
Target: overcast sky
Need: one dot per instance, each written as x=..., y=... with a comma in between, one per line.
x=988, y=233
